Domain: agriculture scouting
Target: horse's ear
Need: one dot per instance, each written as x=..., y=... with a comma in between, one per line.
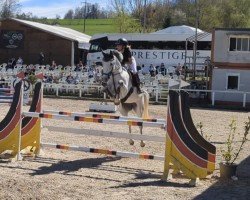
x=103, y=53
x=111, y=53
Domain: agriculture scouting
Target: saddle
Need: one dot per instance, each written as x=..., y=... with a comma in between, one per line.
x=132, y=77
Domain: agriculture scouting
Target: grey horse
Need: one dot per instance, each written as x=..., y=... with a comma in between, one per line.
x=117, y=82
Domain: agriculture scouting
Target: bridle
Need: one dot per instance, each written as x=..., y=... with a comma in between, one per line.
x=112, y=74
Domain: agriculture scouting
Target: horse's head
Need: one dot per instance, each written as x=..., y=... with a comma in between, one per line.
x=111, y=64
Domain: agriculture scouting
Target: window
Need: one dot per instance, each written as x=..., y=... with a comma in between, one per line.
x=203, y=45
x=239, y=43
x=244, y=44
x=232, y=44
x=233, y=82
x=94, y=48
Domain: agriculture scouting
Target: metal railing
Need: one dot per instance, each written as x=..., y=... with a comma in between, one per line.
x=157, y=92
x=160, y=93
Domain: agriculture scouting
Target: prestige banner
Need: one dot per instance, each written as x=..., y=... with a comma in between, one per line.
x=169, y=57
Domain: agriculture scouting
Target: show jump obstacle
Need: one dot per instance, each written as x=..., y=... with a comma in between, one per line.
x=185, y=148
x=18, y=132
x=10, y=126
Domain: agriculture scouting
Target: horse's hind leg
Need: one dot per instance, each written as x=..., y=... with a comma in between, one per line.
x=139, y=110
x=124, y=112
x=131, y=141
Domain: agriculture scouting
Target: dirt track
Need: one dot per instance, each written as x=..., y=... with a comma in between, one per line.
x=62, y=174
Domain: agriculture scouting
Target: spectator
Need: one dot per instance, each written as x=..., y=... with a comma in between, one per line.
x=77, y=79
x=41, y=58
x=11, y=63
x=70, y=79
x=98, y=75
x=152, y=70
x=93, y=65
x=53, y=65
x=157, y=69
x=91, y=73
x=19, y=61
x=145, y=70
x=86, y=69
x=79, y=67
x=178, y=70
x=138, y=68
x=162, y=69
x=48, y=78
x=56, y=79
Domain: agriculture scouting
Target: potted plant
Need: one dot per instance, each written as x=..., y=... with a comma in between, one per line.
x=230, y=153
x=32, y=80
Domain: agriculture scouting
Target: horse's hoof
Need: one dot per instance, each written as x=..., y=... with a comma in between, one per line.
x=131, y=142
x=117, y=102
x=142, y=144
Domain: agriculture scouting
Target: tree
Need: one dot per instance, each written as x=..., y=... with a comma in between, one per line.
x=127, y=24
x=234, y=13
x=25, y=16
x=9, y=8
x=79, y=13
x=69, y=14
x=156, y=14
x=214, y=13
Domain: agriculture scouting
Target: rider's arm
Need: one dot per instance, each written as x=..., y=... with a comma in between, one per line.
x=128, y=55
x=133, y=66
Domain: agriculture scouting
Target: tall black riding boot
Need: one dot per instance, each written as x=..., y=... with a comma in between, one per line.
x=139, y=91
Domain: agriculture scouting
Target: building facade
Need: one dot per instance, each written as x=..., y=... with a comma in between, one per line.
x=21, y=38
x=231, y=60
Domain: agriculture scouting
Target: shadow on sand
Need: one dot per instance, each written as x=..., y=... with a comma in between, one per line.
x=73, y=166
x=229, y=189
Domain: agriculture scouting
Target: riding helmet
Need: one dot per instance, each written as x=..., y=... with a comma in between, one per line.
x=122, y=41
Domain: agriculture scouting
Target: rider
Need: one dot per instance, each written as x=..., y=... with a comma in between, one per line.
x=129, y=61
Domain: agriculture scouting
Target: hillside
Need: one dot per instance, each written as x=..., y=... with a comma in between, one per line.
x=92, y=26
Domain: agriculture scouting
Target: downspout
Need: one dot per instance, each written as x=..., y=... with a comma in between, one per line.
x=185, y=63
x=72, y=53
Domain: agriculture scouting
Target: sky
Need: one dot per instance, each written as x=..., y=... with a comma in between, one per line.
x=50, y=8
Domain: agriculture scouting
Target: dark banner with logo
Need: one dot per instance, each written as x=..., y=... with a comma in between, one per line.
x=12, y=39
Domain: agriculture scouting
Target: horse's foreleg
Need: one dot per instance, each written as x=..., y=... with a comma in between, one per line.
x=142, y=142
x=117, y=99
x=124, y=112
x=139, y=111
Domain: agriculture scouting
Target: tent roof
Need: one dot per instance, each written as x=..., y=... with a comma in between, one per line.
x=62, y=32
x=173, y=33
x=183, y=29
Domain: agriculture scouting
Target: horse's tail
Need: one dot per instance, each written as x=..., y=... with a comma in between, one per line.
x=146, y=105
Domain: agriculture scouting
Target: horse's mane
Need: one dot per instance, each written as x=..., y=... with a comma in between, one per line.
x=111, y=54
x=118, y=55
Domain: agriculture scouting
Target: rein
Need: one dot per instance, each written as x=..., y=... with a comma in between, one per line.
x=128, y=95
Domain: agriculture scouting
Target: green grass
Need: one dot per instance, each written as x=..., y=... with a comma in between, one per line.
x=92, y=26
